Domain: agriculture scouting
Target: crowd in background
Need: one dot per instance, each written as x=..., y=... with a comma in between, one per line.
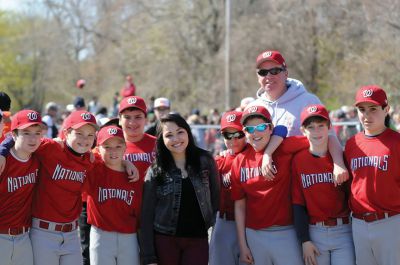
x=206, y=132
x=206, y=122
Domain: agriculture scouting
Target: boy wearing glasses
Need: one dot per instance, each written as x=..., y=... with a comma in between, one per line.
x=224, y=248
x=285, y=98
x=320, y=207
x=263, y=207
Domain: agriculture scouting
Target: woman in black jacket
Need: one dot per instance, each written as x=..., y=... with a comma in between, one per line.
x=180, y=198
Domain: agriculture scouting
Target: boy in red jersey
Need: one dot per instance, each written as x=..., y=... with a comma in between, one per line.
x=139, y=145
x=224, y=248
x=57, y=200
x=113, y=204
x=263, y=206
x=17, y=183
x=320, y=208
x=373, y=157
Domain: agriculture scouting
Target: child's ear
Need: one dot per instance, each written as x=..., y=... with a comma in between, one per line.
x=14, y=135
x=303, y=131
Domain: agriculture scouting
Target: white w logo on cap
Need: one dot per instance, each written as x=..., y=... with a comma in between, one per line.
x=266, y=54
x=32, y=116
x=132, y=101
x=112, y=131
x=86, y=116
x=312, y=109
x=252, y=109
x=231, y=118
x=367, y=93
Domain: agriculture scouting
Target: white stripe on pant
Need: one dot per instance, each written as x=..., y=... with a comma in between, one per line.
x=276, y=245
x=16, y=250
x=112, y=248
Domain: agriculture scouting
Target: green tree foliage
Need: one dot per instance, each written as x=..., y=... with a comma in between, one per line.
x=16, y=66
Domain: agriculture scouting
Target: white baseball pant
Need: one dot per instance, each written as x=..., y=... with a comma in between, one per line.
x=113, y=248
x=378, y=242
x=16, y=250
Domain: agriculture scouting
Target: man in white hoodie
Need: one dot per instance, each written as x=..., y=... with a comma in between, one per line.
x=285, y=98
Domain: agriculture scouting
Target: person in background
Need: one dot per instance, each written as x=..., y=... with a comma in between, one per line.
x=244, y=102
x=101, y=114
x=129, y=89
x=79, y=103
x=50, y=118
x=94, y=105
x=198, y=133
x=5, y=105
x=162, y=106
x=180, y=198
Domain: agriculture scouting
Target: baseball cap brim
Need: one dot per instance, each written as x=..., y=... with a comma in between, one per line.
x=107, y=138
x=233, y=126
x=78, y=125
x=369, y=101
x=132, y=107
x=26, y=125
x=315, y=115
x=267, y=59
x=244, y=117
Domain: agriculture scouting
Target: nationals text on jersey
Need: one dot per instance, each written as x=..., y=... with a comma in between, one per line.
x=249, y=172
x=226, y=179
x=14, y=183
x=124, y=195
x=380, y=162
x=311, y=179
x=61, y=173
x=143, y=157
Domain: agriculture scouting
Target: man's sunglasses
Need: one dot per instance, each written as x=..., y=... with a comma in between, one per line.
x=230, y=136
x=272, y=71
x=260, y=128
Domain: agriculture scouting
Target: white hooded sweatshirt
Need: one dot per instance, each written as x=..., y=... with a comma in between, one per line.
x=286, y=109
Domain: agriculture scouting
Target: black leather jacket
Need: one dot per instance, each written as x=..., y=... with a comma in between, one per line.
x=161, y=203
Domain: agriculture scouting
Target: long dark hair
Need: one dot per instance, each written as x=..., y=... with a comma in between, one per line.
x=164, y=160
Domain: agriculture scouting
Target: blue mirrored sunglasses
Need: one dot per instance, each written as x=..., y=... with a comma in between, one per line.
x=260, y=128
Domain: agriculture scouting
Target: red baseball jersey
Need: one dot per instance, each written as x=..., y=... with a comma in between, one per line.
x=313, y=187
x=62, y=174
x=112, y=201
x=268, y=203
x=224, y=165
x=141, y=153
x=17, y=183
x=374, y=164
